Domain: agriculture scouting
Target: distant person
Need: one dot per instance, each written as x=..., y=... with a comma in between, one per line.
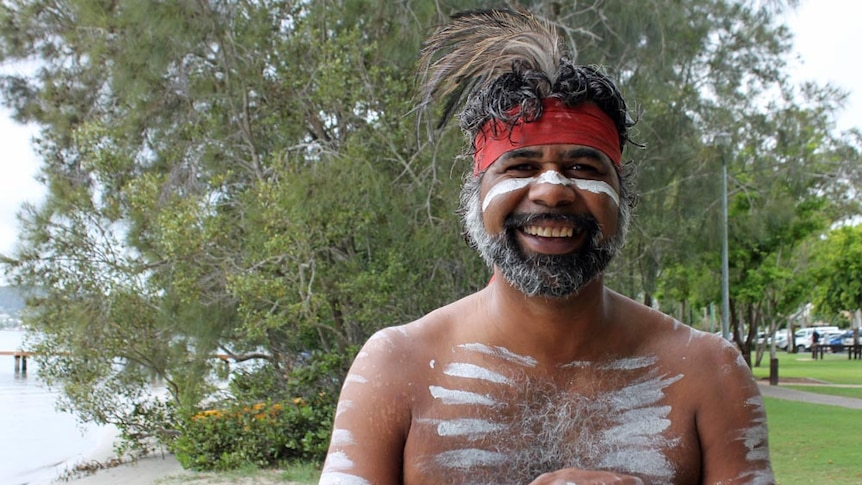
x=545, y=376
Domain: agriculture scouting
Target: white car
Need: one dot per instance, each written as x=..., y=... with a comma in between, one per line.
x=804, y=336
x=847, y=338
x=781, y=340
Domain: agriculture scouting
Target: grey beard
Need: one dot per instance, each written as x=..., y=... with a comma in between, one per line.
x=550, y=276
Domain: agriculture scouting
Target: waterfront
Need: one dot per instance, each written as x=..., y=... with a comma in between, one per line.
x=38, y=442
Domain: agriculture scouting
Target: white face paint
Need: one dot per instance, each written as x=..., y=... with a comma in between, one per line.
x=550, y=177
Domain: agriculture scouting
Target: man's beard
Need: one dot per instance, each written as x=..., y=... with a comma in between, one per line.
x=550, y=276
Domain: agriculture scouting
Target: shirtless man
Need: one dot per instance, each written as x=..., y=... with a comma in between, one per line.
x=545, y=376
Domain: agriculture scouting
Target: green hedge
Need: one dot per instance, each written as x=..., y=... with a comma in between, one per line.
x=263, y=435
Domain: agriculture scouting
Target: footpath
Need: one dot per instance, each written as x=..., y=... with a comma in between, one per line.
x=790, y=394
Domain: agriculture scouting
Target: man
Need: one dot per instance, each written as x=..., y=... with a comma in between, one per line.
x=545, y=376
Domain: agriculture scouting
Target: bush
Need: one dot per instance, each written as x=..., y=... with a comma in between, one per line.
x=263, y=435
x=290, y=418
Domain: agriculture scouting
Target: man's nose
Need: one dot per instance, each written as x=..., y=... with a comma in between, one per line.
x=551, y=189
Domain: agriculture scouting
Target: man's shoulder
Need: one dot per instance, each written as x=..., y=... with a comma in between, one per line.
x=423, y=333
x=662, y=331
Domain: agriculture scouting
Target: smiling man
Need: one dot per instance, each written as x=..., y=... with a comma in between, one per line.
x=545, y=376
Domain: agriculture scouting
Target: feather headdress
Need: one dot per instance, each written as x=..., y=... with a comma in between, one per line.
x=478, y=47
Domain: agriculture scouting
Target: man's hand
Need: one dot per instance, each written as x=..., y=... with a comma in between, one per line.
x=573, y=476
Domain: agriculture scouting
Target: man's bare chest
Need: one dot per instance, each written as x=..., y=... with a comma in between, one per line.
x=486, y=415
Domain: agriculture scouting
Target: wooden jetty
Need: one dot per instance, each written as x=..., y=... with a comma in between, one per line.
x=20, y=359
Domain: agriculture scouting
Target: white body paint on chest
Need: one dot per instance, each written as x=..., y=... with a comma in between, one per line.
x=632, y=440
x=502, y=353
x=470, y=371
x=549, y=177
x=454, y=396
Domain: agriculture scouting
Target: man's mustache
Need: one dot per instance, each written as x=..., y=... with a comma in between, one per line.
x=586, y=222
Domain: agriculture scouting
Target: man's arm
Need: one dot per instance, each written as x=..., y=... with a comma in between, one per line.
x=731, y=423
x=372, y=418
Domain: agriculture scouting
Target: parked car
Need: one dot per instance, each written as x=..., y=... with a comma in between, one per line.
x=847, y=338
x=781, y=339
x=804, y=336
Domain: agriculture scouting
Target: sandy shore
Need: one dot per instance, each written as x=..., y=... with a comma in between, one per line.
x=165, y=470
x=151, y=470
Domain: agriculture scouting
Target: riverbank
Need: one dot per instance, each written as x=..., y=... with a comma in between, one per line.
x=150, y=470
x=160, y=469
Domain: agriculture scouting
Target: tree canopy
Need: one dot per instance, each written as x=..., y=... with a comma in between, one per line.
x=250, y=180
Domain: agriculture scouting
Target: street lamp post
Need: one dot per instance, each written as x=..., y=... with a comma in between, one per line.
x=722, y=140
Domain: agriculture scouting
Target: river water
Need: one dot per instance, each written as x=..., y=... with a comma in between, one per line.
x=37, y=442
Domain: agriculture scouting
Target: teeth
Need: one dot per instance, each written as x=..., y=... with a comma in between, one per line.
x=549, y=231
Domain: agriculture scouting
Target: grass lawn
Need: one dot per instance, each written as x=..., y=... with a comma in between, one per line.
x=833, y=368
x=811, y=443
x=814, y=444
x=855, y=392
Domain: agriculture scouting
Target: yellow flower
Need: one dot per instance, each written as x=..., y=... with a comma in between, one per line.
x=206, y=413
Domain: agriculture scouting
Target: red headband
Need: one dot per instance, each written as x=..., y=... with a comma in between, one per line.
x=585, y=124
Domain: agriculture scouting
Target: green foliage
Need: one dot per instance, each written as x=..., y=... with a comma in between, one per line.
x=289, y=419
x=261, y=434
x=838, y=270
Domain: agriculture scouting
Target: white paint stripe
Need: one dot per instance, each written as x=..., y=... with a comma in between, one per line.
x=502, y=353
x=450, y=396
x=504, y=187
x=549, y=177
x=343, y=406
x=756, y=436
x=341, y=479
x=355, y=379
x=342, y=437
x=468, y=427
x=620, y=364
x=469, y=457
x=598, y=187
x=337, y=461
x=643, y=393
x=470, y=371
x=630, y=363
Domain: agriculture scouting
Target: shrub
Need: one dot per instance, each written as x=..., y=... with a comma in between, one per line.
x=263, y=434
x=290, y=418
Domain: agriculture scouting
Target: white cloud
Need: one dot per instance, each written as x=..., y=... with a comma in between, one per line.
x=827, y=36
x=17, y=180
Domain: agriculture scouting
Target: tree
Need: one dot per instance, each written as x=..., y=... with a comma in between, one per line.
x=838, y=271
x=249, y=180
x=225, y=178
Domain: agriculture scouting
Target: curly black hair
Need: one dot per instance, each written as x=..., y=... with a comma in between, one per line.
x=524, y=88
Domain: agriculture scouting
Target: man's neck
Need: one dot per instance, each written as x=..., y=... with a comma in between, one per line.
x=555, y=330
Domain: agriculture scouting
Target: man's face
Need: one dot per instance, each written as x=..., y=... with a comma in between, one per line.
x=548, y=216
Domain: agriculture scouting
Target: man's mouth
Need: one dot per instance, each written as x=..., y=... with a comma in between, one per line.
x=549, y=231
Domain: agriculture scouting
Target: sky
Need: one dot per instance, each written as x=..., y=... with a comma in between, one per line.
x=826, y=39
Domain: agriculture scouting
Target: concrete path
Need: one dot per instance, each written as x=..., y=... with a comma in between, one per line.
x=789, y=394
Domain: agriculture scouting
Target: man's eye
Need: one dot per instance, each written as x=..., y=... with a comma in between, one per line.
x=582, y=168
x=523, y=167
